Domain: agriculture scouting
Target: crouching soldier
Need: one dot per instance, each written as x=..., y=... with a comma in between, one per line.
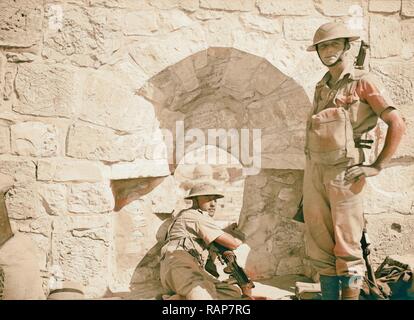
x=192, y=230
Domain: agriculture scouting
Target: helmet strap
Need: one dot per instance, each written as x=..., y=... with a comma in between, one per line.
x=346, y=44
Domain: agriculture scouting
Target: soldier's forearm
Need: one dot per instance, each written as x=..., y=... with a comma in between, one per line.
x=395, y=132
x=228, y=241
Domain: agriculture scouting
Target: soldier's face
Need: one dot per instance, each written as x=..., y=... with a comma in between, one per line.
x=207, y=203
x=330, y=51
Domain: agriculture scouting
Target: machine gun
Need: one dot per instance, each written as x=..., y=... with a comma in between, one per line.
x=360, y=60
x=228, y=258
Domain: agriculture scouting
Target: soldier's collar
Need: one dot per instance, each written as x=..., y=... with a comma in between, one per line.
x=349, y=70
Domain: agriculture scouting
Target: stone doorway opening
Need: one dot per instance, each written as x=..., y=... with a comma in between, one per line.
x=230, y=90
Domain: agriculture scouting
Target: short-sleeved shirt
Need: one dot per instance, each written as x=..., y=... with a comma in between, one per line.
x=357, y=91
x=191, y=228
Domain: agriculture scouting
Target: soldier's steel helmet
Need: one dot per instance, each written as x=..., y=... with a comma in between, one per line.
x=330, y=31
x=204, y=189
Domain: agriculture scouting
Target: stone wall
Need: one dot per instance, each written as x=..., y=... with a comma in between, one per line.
x=86, y=85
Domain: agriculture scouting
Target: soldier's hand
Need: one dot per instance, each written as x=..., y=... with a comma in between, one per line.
x=354, y=173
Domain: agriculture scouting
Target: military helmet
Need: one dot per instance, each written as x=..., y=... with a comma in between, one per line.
x=203, y=189
x=330, y=31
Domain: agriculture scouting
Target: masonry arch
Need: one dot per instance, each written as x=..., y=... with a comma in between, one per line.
x=231, y=90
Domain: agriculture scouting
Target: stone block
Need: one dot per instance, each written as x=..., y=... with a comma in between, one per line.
x=336, y=8
x=86, y=37
x=34, y=139
x=139, y=23
x=46, y=90
x=173, y=20
x=53, y=198
x=97, y=143
x=259, y=23
x=187, y=5
x=106, y=101
x=90, y=198
x=384, y=6
x=22, y=202
x=391, y=191
x=20, y=23
x=9, y=81
x=298, y=28
x=65, y=169
x=390, y=234
x=407, y=34
x=385, y=36
x=140, y=168
x=235, y=5
x=83, y=252
x=22, y=170
x=397, y=78
x=164, y=197
x=407, y=8
x=286, y=7
x=4, y=140
x=154, y=55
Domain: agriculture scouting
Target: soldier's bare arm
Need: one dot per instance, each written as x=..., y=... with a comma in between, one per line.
x=395, y=131
x=228, y=241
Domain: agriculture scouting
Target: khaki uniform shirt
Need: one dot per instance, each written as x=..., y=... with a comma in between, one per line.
x=191, y=229
x=358, y=92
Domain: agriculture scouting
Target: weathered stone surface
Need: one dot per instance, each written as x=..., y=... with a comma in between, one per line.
x=293, y=265
x=337, y=7
x=407, y=8
x=301, y=28
x=397, y=78
x=53, y=198
x=96, y=143
x=90, y=198
x=188, y=5
x=391, y=192
x=34, y=139
x=46, y=90
x=406, y=148
x=65, y=169
x=82, y=250
x=4, y=140
x=259, y=23
x=140, y=168
x=164, y=197
x=236, y=5
x=20, y=23
x=20, y=169
x=390, y=234
x=141, y=22
x=3, y=62
x=388, y=6
x=108, y=102
x=218, y=33
x=22, y=204
x=35, y=200
x=130, y=4
x=172, y=20
x=17, y=57
x=154, y=55
x=85, y=38
x=407, y=34
x=286, y=7
x=9, y=76
x=385, y=36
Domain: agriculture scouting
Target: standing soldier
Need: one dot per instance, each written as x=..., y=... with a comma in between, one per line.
x=347, y=104
x=182, y=257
